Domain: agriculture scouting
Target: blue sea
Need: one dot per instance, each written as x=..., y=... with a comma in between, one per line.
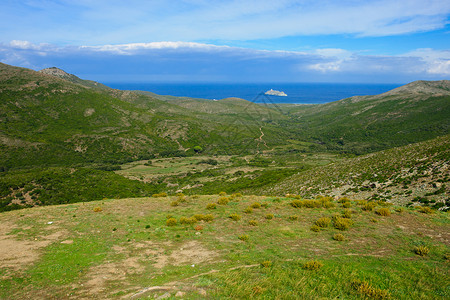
x=304, y=93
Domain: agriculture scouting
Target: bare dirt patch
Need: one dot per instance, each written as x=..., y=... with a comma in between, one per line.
x=17, y=254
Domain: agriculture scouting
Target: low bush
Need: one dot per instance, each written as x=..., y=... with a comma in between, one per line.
x=253, y=223
x=293, y=218
x=97, y=209
x=266, y=264
x=368, y=291
x=160, y=195
x=223, y=200
x=346, y=205
x=315, y=228
x=171, y=222
x=256, y=205
x=248, y=210
x=338, y=237
x=421, y=250
x=369, y=206
x=425, y=210
x=234, y=217
x=243, y=237
x=342, y=223
x=383, y=211
x=347, y=214
x=174, y=203
x=211, y=206
x=269, y=216
x=323, y=222
x=185, y=220
x=312, y=265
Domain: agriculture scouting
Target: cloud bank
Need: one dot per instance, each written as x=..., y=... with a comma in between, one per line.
x=198, y=62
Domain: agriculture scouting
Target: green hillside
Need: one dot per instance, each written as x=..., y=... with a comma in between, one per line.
x=415, y=112
x=222, y=247
x=413, y=173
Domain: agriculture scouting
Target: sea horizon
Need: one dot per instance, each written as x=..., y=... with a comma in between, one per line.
x=297, y=93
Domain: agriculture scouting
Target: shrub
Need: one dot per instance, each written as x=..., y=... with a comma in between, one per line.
x=312, y=203
x=234, y=217
x=253, y=223
x=328, y=204
x=369, y=206
x=399, y=209
x=342, y=223
x=383, y=211
x=265, y=205
x=367, y=290
x=425, y=210
x=174, y=203
x=248, y=210
x=98, y=209
x=198, y=227
x=236, y=195
x=293, y=218
x=421, y=250
x=269, y=216
x=160, y=195
x=297, y=203
x=171, y=222
x=347, y=214
x=222, y=194
x=343, y=199
x=338, y=237
x=323, y=222
x=211, y=206
x=206, y=218
x=312, y=265
x=315, y=228
x=185, y=220
x=346, y=205
x=256, y=205
x=243, y=237
x=266, y=264
x=147, y=226
x=223, y=200
x=199, y=217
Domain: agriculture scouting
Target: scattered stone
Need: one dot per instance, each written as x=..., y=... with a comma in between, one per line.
x=164, y=296
x=179, y=294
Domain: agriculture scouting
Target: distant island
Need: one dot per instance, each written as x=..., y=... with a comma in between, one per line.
x=275, y=93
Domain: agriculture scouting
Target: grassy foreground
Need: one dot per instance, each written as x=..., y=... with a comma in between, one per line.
x=223, y=246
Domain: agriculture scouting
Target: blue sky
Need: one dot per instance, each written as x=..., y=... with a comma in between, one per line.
x=230, y=41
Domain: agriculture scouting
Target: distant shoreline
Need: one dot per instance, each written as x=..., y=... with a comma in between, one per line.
x=298, y=93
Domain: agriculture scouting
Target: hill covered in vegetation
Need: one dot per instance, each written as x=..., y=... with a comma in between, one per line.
x=59, y=134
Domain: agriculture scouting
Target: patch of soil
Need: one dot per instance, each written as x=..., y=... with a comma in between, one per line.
x=17, y=254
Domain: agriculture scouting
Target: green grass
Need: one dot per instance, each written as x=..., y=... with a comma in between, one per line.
x=127, y=247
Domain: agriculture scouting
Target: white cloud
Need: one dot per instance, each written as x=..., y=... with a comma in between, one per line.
x=198, y=61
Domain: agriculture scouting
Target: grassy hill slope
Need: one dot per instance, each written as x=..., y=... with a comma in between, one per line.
x=415, y=112
x=417, y=172
x=245, y=247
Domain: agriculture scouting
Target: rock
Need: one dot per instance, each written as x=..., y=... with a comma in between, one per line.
x=164, y=296
x=179, y=294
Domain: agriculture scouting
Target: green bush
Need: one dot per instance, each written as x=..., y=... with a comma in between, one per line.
x=338, y=237
x=243, y=237
x=269, y=216
x=312, y=265
x=383, y=211
x=323, y=222
x=253, y=223
x=171, y=222
x=211, y=206
x=421, y=250
x=234, y=217
x=256, y=205
x=315, y=228
x=342, y=223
